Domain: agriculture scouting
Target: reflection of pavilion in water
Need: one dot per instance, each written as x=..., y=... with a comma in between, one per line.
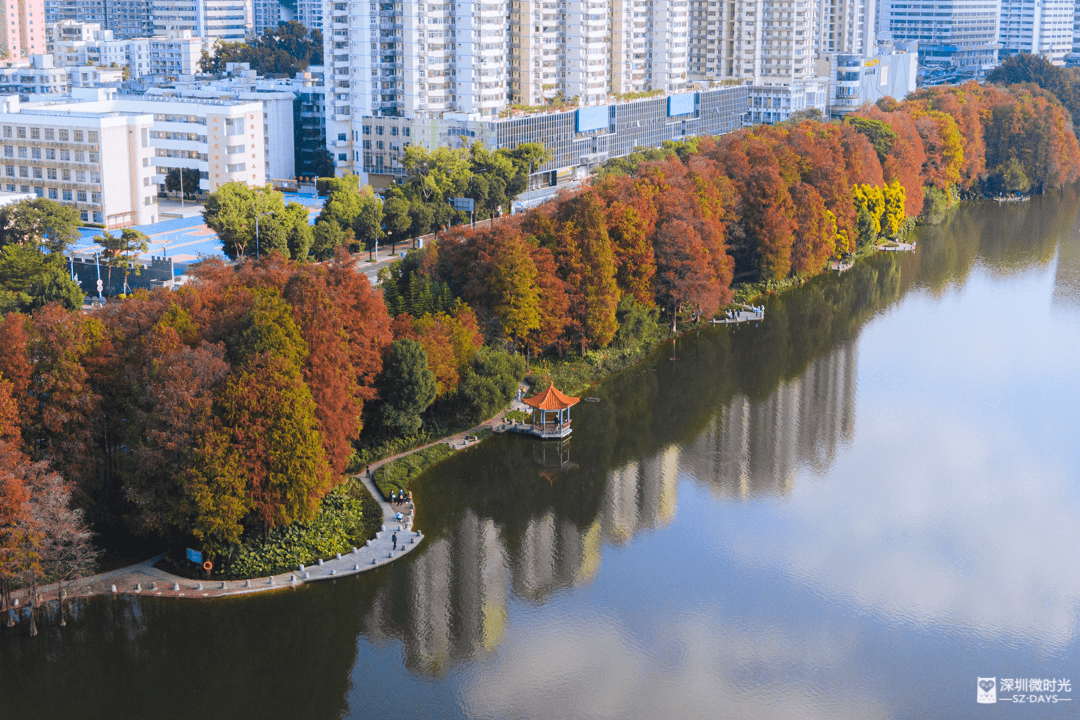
x=452, y=604
x=754, y=447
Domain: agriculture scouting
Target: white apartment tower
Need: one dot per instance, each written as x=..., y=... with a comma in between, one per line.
x=1040, y=28
x=560, y=47
x=763, y=42
x=845, y=26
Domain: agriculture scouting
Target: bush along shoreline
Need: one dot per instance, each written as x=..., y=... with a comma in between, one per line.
x=348, y=517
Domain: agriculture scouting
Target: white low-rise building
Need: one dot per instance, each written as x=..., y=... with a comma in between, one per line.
x=172, y=54
x=43, y=77
x=278, y=100
x=109, y=157
x=98, y=163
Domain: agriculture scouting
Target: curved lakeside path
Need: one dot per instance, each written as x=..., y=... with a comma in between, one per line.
x=144, y=579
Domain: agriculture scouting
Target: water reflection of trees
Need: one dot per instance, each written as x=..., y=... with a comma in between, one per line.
x=739, y=410
x=1004, y=237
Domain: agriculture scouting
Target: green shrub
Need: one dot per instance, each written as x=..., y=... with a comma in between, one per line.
x=518, y=416
x=348, y=518
x=396, y=475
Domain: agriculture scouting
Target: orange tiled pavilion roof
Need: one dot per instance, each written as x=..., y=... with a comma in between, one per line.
x=551, y=399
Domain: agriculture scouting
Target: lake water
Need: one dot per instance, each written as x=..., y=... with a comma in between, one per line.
x=857, y=509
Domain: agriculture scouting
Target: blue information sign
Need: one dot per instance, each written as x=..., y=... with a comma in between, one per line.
x=194, y=556
x=681, y=104
x=592, y=118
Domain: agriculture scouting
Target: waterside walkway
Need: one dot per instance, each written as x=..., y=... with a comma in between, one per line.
x=144, y=579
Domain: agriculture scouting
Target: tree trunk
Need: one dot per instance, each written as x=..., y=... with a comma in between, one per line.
x=5, y=601
x=31, y=597
x=60, y=601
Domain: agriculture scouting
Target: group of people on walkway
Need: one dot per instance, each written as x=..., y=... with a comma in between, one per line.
x=401, y=498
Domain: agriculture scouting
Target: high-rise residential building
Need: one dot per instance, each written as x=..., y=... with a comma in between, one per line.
x=226, y=20
x=87, y=11
x=268, y=14
x=129, y=18
x=961, y=33
x=22, y=29
x=766, y=42
x=1040, y=28
x=845, y=26
x=310, y=13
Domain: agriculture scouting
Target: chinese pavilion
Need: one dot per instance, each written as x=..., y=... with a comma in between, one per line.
x=551, y=413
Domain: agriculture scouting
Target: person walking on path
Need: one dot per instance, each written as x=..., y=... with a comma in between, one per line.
x=394, y=539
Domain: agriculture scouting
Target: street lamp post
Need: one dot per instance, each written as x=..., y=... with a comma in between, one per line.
x=268, y=212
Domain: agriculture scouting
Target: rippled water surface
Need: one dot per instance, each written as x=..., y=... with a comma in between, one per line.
x=855, y=510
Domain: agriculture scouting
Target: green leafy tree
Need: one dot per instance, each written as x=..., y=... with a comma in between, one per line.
x=880, y=135
x=39, y=222
x=120, y=251
x=186, y=179
x=1009, y=178
x=406, y=387
x=368, y=223
x=396, y=216
x=514, y=283
x=344, y=203
x=231, y=210
x=299, y=236
x=215, y=498
x=30, y=279
x=327, y=236
x=284, y=50
x=270, y=416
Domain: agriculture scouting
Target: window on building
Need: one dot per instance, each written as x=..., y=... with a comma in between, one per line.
x=77, y=135
x=81, y=194
x=342, y=137
x=7, y=131
x=24, y=171
x=36, y=153
x=95, y=197
x=394, y=130
x=52, y=194
x=67, y=195
x=50, y=173
x=92, y=136
x=22, y=152
x=64, y=135
x=20, y=132
x=37, y=173
x=65, y=155
x=343, y=157
x=378, y=129
x=9, y=170
x=35, y=133
x=49, y=134
x=39, y=191
x=50, y=154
